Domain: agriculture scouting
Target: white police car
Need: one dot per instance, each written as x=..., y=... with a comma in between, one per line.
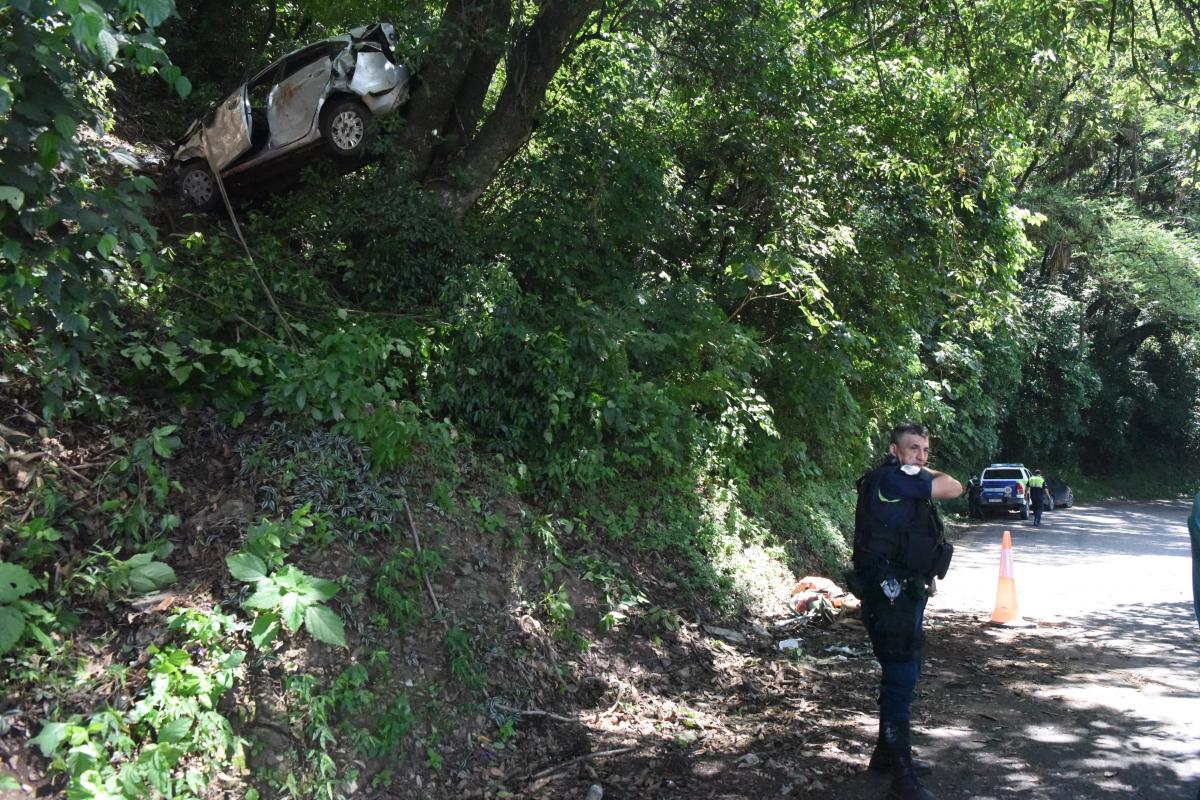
x=1004, y=488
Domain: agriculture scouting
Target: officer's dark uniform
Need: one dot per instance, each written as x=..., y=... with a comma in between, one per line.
x=899, y=547
x=1194, y=532
x=1036, y=486
x=974, y=491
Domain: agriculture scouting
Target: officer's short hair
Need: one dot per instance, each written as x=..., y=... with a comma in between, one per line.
x=908, y=429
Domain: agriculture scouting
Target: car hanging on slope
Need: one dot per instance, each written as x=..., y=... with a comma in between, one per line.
x=325, y=93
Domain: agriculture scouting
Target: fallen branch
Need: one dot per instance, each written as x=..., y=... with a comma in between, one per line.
x=602, y=714
x=587, y=757
x=12, y=433
x=417, y=541
x=534, y=712
x=88, y=481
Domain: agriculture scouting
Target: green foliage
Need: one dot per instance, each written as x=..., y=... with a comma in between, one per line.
x=140, y=485
x=289, y=595
x=138, y=751
x=332, y=474
x=63, y=285
x=464, y=664
x=621, y=595
x=397, y=585
x=15, y=583
x=365, y=707
x=138, y=575
x=196, y=368
x=104, y=577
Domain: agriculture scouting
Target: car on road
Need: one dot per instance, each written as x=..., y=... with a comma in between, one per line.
x=324, y=94
x=1059, y=494
x=1004, y=488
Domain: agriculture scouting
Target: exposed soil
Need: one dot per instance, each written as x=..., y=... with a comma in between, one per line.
x=666, y=706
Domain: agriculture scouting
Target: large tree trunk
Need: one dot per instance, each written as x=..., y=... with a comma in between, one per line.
x=455, y=150
x=467, y=27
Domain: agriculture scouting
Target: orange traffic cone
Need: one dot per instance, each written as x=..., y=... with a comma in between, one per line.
x=1007, y=613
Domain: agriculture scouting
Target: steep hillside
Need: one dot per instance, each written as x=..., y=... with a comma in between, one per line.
x=482, y=652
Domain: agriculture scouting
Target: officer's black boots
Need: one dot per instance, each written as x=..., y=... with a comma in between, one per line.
x=884, y=759
x=905, y=785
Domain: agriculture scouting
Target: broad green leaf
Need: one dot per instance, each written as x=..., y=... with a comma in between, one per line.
x=86, y=28
x=183, y=86
x=15, y=582
x=234, y=659
x=106, y=46
x=246, y=566
x=175, y=730
x=156, y=12
x=320, y=589
x=106, y=245
x=325, y=625
x=12, y=195
x=151, y=577
x=52, y=735
x=291, y=608
x=181, y=373
x=291, y=578
x=65, y=125
x=266, y=628
x=265, y=596
x=12, y=625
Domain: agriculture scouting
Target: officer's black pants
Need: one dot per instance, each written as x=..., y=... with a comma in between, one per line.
x=898, y=638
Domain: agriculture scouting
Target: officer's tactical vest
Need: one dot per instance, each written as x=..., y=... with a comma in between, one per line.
x=918, y=548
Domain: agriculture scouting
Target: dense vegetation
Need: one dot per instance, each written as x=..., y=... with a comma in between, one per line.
x=670, y=276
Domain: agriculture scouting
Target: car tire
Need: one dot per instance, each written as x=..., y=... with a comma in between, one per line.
x=198, y=188
x=347, y=127
x=1025, y=511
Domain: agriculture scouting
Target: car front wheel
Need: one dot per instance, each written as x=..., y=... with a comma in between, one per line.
x=346, y=128
x=198, y=187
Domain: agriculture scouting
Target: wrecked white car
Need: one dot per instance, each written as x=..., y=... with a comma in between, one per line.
x=327, y=94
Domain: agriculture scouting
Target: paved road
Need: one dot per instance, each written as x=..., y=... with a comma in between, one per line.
x=1102, y=698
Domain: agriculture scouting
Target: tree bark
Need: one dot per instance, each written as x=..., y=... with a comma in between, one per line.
x=467, y=107
x=532, y=63
x=1130, y=341
x=465, y=27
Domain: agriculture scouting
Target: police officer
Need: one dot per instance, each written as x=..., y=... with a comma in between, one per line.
x=1194, y=532
x=899, y=548
x=1037, y=495
x=974, y=492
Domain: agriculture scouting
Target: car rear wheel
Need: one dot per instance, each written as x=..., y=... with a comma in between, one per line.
x=197, y=186
x=346, y=128
x=1025, y=511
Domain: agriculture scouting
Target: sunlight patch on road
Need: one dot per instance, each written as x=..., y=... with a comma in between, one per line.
x=1050, y=734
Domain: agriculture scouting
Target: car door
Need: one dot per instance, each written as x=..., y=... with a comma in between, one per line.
x=227, y=129
x=294, y=102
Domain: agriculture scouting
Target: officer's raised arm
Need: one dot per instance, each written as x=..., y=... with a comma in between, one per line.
x=944, y=486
